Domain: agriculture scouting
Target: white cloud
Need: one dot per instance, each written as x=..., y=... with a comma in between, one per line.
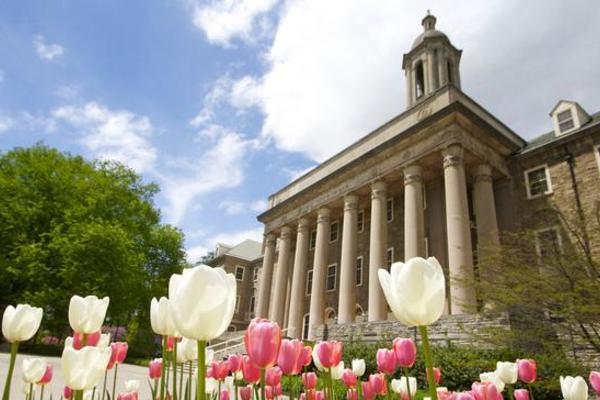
x=239, y=207
x=118, y=135
x=194, y=253
x=5, y=123
x=47, y=51
x=223, y=20
x=67, y=92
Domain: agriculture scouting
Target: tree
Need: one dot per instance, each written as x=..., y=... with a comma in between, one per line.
x=70, y=226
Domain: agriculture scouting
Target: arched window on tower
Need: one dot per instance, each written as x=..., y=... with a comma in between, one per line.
x=450, y=72
x=419, y=79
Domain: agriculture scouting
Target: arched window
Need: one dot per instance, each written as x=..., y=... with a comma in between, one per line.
x=358, y=313
x=305, y=326
x=450, y=71
x=330, y=316
x=419, y=79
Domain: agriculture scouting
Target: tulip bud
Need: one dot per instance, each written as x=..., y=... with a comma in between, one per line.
x=337, y=371
x=329, y=353
x=527, y=370
x=161, y=318
x=437, y=375
x=21, y=323
x=262, y=341
x=155, y=368
x=235, y=362
x=358, y=367
x=306, y=357
x=290, y=356
x=368, y=391
x=33, y=369
x=491, y=377
x=220, y=370
x=349, y=378
x=250, y=372
x=67, y=393
x=574, y=388
x=521, y=394
x=507, y=372
x=595, y=381
x=246, y=393
x=485, y=391
x=351, y=394
x=386, y=361
x=403, y=387
x=319, y=395
x=86, y=315
x=47, y=377
x=83, y=369
x=406, y=352
x=378, y=384
x=309, y=380
x=269, y=392
x=273, y=376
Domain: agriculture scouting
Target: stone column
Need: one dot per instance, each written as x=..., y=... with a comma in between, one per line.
x=426, y=76
x=281, y=277
x=347, y=299
x=414, y=226
x=431, y=71
x=409, y=84
x=460, y=251
x=485, y=209
x=317, y=298
x=298, y=281
x=377, y=251
x=443, y=69
x=266, y=275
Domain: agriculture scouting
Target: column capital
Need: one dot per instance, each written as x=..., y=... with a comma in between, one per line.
x=482, y=173
x=350, y=202
x=270, y=238
x=453, y=155
x=412, y=174
x=303, y=225
x=378, y=190
x=323, y=215
x=286, y=232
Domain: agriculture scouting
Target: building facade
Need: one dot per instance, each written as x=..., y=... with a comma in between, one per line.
x=443, y=179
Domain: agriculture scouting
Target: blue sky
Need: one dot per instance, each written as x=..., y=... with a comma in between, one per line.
x=224, y=102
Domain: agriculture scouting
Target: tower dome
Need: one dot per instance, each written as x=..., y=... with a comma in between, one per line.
x=429, y=31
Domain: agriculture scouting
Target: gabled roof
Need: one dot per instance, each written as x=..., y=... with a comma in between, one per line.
x=247, y=250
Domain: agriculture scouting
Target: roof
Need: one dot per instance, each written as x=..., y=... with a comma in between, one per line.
x=247, y=250
x=550, y=137
x=428, y=34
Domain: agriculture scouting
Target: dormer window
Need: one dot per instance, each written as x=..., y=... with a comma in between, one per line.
x=565, y=121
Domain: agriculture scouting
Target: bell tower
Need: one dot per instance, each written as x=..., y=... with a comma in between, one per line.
x=431, y=63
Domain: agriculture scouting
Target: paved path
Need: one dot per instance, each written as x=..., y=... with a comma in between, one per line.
x=126, y=372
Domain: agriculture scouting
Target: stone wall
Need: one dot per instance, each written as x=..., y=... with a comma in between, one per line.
x=456, y=329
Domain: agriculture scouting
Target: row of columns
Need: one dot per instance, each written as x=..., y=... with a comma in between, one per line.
x=460, y=256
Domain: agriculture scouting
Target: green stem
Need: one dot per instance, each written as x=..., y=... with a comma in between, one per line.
x=388, y=387
x=163, y=369
x=174, y=369
x=359, y=389
x=94, y=393
x=11, y=367
x=190, y=381
x=407, y=383
x=510, y=392
x=42, y=392
x=262, y=383
x=428, y=362
x=155, y=389
x=30, y=396
x=104, y=384
x=530, y=391
x=114, y=381
x=181, y=374
x=201, y=385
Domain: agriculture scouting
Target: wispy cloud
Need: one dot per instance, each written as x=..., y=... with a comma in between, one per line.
x=239, y=207
x=5, y=123
x=47, y=51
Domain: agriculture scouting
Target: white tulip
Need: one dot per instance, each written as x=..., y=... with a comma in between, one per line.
x=415, y=291
x=507, y=372
x=21, y=323
x=187, y=350
x=132, y=385
x=210, y=356
x=89, y=395
x=211, y=386
x=86, y=315
x=104, y=340
x=399, y=386
x=358, y=367
x=492, y=378
x=336, y=372
x=161, y=318
x=33, y=369
x=203, y=303
x=83, y=369
x=316, y=361
x=573, y=388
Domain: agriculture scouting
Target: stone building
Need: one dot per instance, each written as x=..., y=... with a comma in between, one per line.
x=443, y=179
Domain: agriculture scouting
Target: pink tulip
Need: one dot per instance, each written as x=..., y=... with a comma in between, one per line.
x=306, y=357
x=387, y=361
x=437, y=375
x=319, y=395
x=220, y=370
x=67, y=393
x=464, y=396
x=92, y=339
x=484, y=391
x=521, y=394
x=330, y=353
x=224, y=395
x=246, y=393
x=262, y=341
x=367, y=391
x=290, y=356
x=349, y=378
x=47, y=377
x=527, y=370
x=170, y=343
x=444, y=394
x=303, y=396
x=118, y=354
x=273, y=376
x=406, y=352
x=269, y=392
x=278, y=390
x=309, y=380
x=595, y=381
x=351, y=394
x=128, y=396
x=235, y=362
x=250, y=372
x=155, y=369
x=377, y=382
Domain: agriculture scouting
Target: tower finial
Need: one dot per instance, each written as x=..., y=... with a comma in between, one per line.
x=429, y=21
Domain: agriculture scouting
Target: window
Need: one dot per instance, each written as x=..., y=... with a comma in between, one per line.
x=309, y=275
x=313, y=239
x=419, y=79
x=390, y=209
x=565, y=121
x=359, y=271
x=238, y=301
x=252, y=301
x=389, y=258
x=255, y=274
x=331, y=275
x=333, y=234
x=239, y=272
x=360, y=222
x=548, y=242
x=305, y=326
x=330, y=316
x=537, y=181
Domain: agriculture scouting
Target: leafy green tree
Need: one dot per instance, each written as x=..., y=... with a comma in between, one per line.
x=70, y=226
